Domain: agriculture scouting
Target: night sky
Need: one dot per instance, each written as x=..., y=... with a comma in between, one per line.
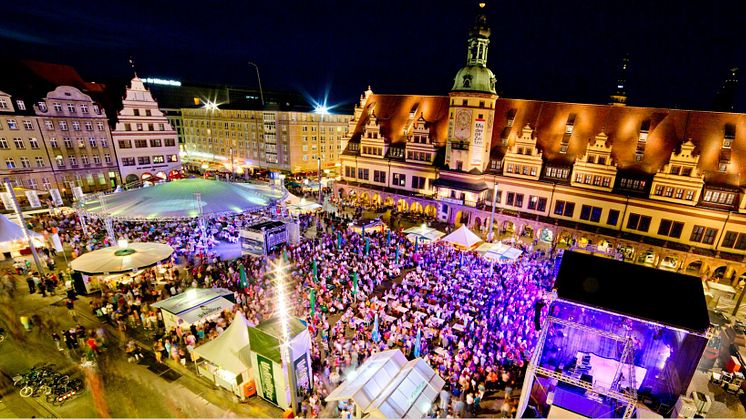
x=541, y=49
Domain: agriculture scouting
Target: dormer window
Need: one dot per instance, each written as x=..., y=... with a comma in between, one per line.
x=601, y=160
x=42, y=106
x=644, y=130
x=675, y=170
x=21, y=105
x=467, y=80
x=686, y=171
x=729, y=136
x=570, y=123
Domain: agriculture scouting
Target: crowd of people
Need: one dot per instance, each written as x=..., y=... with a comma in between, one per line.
x=360, y=292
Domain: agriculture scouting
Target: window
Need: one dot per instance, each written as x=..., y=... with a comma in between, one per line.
x=125, y=143
x=73, y=161
x=92, y=142
x=25, y=163
x=158, y=159
x=84, y=160
x=63, y=125
x=689, y=195
x=107, y=158
x=670, y=228
x=418, y=182
x=143, y=160
x=60, y=161
x=170, y=142
x=10, y=163
x=104, y=143
x=136, y=112
x=53, y=143
x=27, y=125
x=34, y=143
x=514, y=199
x=100, y=126
x=704, y=235
x=57, y=107
x=76, y=126
x=39, y=161
x=155, y=143
x=49, y=125
x=658, y=190
x=12, y=124
x=563, y=208
x=734, y=240
x=71, y=108
x=139, y=127
x=88, y=126
x=97, y=159
x=4, y=144
x=537, y=203
x=68, y=143
x=589, y=213
x=613, y=217
x=141, y=143
x=84, y=108
x=173, y=158
x=638, y=222
x=379, y=176
x=19, y=143
x=349, y=171
x=128, y=161
x=363, y=173
x=399, y=179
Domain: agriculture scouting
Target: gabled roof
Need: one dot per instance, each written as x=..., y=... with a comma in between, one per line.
x=669, y=298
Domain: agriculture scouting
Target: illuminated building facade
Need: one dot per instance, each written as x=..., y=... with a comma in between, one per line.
x=660, y=187
x=146, y=145
x=239, y=139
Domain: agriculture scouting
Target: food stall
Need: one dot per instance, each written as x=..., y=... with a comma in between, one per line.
x=370, y=225
x=268, y=363
x=194, y=305
x=225, y=360
x=424, y=234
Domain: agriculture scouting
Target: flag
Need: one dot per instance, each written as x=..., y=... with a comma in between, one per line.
x=461, y=260
x=388, y=238
x=312, y=298
x=354, y=284
x=376, y=335
x=244, y=282
x=416, y=243
x=315, y=271
x=367, y=246
x=339, y=241
x=363, y=231
x=284, y=255
x=417, y=344
x=397, y=254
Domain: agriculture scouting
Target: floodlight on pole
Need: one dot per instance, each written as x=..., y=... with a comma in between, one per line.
x=282, y=312
x=259, y=80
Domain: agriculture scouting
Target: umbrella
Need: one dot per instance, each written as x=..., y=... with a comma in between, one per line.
x=312, y=298
x=242, y=271
x=121, y=259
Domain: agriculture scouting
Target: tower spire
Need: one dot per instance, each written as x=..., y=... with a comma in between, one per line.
x=132, y=65
x=619, y=97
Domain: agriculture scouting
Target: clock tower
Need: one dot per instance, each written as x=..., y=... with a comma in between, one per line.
x=472, y=104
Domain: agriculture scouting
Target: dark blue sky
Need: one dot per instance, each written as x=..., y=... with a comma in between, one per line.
x=541, y=49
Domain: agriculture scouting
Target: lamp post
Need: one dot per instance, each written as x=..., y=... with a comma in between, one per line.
x=285, y=342
x=259, y=80
x=321, y=110
x=492, y=213
x=27, y=236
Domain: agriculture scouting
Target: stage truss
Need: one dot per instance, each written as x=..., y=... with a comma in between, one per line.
x=624, y=395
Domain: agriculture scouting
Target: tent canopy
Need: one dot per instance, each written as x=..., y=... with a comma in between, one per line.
x=386, y=385
x=265, y=337
x=191, y=298
x=176, y=200
x=499, y=251
x=10, y=231
x=426, y=233
x=230, y=350
x=116, y=259
x=463, y=237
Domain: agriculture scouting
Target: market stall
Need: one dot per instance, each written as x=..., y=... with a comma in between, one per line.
x=93, y=267
x=269, y=366
x=369, y=225
x=463, y=238
x=195, y=305
x=423, y=234
x=499, y=252
x=13, y=242
x=226, y=360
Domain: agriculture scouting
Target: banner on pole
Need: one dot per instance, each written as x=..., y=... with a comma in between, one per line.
x=33, y=199
x=56, y=197
x=77, y=193
x=57, y=243
x=267, y=379
x=7, y=200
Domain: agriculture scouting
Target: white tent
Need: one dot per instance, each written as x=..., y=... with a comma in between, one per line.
x=193, y=305
x=10, y=231
x=387, y=386
x=499, y=252
x=425, y=233
x=115, y=259
x=230, y=350
x=463, y=237
x=228, y=357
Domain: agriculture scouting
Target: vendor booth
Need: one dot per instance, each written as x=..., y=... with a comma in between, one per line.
x=270, y=371
x=297, y=206
x=423, y=234
x=261, y=238
x=225, y=360
x=463, y=238
x=93, y=267
x=195, y=305
x=389, y=386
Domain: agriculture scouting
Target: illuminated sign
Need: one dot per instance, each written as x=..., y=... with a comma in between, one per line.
x=162, y=81
x=478, y=143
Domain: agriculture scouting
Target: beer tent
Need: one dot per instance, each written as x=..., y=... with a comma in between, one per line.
x=463, y=238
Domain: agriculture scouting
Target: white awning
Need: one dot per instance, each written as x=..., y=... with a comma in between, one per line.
x=463, y=237
x=230, y=350
x=424, y=233
x=209, y=309
x=115, y=259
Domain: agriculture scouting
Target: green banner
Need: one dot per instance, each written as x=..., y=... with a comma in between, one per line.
x=266, y=379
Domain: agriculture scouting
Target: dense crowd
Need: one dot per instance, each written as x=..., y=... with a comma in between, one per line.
x=360, y=291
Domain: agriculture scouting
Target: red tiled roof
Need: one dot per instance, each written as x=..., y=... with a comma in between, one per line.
x=61, y=75
x=668, y=129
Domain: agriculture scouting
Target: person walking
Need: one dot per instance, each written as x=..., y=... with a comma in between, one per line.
x=56, y=338
x=31, y=285
x=70, y=305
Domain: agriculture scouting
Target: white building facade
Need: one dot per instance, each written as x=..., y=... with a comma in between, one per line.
x=146, y=145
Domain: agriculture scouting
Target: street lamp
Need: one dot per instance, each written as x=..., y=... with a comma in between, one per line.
x=322, y=110
x=258, y=79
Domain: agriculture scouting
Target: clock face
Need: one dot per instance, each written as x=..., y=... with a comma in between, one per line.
x=463, y=124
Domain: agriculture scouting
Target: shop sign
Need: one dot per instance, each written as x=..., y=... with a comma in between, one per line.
x=267, y=379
